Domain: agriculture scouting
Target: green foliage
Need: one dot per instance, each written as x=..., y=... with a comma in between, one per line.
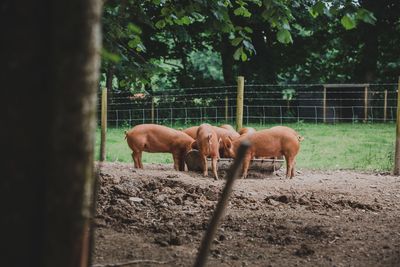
x=288, y=94
x=348, y=21
x=108, y=56
x=317, y=9
x=150, y=44
x=366, y=16
x=284, y=36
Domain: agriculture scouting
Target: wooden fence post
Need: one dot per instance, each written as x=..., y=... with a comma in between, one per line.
x=324, y=104
x=397, y=152
x=226, y=108
x=385, y=106
x=239, y=102
x=366, y=104
x=103, y=124
x=152, y=109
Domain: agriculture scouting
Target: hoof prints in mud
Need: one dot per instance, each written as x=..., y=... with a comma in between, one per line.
x=164, y=206
x=311, y=201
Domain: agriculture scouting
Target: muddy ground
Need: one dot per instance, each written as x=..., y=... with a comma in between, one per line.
x=332, y=218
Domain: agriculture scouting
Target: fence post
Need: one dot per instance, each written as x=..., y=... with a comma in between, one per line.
x=397, y=153
x=152, y=109
x=239, y=102
x=226, y=107
x=366, y=104
x=385, y=106
x=324, y=105
x=103, y=124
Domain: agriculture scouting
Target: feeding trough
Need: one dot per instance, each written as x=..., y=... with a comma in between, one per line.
x=193, y=162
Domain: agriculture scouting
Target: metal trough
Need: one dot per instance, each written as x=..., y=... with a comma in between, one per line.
x=193, y=161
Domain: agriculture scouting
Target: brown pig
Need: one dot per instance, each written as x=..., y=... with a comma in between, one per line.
x=247, y=130
x=157, y=138
x=208, y=145
x=221, y=132
x=191, y=131
x=227, y=127
x=224, y=133
x=301, y=138
x=274, y=142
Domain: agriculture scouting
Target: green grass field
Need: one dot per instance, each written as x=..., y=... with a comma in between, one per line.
x=340, y=146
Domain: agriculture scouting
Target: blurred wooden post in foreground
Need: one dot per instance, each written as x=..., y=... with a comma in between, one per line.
x=231, y=175
x=239, y=103
x=103, y=124
x=397, y=152
x=46, y=218
x=385, y=106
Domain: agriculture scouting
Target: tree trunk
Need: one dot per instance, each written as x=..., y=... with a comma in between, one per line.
x=226, y=52
x=109, y=82
x=262, y=65
x=366, y=71
x=50, y=78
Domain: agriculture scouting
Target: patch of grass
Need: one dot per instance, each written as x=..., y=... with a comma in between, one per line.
x=326, y=146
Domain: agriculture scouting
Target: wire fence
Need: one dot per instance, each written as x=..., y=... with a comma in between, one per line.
x=263, y=104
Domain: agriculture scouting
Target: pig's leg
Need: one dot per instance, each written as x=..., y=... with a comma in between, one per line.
x=204, y=165
x=176, y=161
x=135, y=160
x=289, y=167
x=246, y=164
x=138, y=156
x=140, y=160
x=214, y=167
x=182, y=162
x=292, y=174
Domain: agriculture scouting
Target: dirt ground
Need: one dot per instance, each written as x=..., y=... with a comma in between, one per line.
x=332, y=218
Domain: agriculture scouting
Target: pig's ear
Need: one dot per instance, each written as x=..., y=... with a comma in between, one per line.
x=228, y=143
x=194, y=145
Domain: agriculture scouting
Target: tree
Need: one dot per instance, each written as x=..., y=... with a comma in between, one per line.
x=50, y=69
x=153, y=40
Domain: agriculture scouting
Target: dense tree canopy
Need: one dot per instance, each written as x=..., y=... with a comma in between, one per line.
x=154, y=44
